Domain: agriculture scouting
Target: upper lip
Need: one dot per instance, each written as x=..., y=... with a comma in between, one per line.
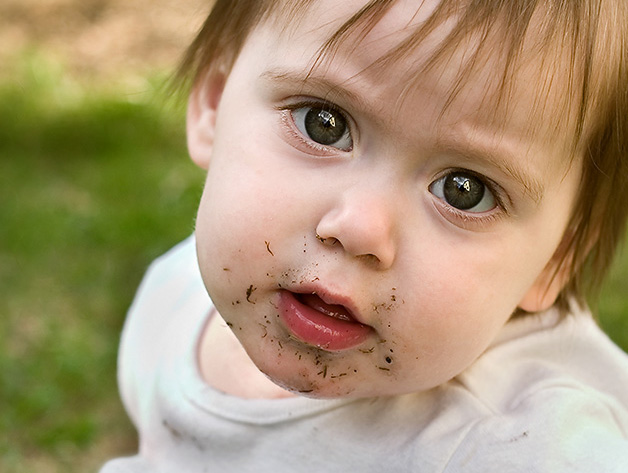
x=331, y=297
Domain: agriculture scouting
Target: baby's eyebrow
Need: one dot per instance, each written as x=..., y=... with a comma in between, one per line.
x=532, y=186
x=327, y=87
x=501, y=158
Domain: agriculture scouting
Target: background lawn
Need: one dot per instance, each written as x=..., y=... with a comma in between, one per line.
x=94, y=183
x=93, y=186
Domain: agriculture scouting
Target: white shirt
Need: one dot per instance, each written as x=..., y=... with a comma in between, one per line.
x=545, y=397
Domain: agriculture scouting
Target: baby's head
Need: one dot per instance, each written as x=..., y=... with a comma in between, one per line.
x=390, y=181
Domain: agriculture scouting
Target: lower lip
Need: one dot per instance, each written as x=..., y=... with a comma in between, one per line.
x=320, y=330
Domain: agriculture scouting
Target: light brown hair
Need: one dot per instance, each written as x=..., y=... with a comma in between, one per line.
x=592, y=35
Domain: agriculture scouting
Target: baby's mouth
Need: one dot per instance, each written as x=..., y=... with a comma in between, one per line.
x=325, y=325
x=336, y=311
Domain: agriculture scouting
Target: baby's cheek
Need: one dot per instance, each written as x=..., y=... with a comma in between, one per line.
x=441, y=340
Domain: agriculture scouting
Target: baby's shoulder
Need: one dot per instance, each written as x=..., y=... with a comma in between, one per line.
x=172, y=280
x=169, y=306
x=542, y=354
x=179, y=264
x=554, y=398
x=550, y=428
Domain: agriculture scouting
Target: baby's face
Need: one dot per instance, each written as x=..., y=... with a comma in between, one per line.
x=359, y=244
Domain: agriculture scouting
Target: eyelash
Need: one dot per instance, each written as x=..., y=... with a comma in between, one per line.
x=481, y=219
x=459, y=217
x=287, y=121
x=465, y=219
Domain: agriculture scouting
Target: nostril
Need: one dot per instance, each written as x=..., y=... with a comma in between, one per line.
x=369, y=259
x=330, y=241
x=360, y=226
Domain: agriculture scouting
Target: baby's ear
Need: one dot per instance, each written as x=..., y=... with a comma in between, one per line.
x=545, y=290
x=201, y=118
x=556, y=274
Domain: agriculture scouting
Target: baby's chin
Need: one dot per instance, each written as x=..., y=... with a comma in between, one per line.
x=312, y=382
x=298, y=386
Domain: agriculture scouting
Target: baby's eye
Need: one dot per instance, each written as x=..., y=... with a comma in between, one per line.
x=324, y=126
x=464, y=190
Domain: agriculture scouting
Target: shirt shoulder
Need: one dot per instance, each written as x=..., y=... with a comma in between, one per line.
x=556, y=399
x=168, y=305
x=542, y=351
x=553, y=429
x=127, y=465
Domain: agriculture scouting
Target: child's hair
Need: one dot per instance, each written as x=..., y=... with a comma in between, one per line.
x=591, y=35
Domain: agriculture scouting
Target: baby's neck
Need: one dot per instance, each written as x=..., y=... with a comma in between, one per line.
x=225, y=365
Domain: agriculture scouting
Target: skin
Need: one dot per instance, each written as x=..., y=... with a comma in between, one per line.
x=366, y=224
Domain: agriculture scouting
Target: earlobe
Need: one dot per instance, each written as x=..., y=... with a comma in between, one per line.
x=201, y=118
x=548, y=285
x=543, y=293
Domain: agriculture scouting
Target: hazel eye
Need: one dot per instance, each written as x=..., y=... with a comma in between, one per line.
x=464, y=191
x=324, y=126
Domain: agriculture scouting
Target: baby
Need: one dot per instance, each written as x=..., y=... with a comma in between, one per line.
x=406, y=204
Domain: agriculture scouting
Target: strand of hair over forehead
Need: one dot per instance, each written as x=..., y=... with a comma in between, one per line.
x=568, y=26
x=481, y=17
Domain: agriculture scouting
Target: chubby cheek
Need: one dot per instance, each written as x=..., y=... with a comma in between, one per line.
x=456, y=305
x=235, y=227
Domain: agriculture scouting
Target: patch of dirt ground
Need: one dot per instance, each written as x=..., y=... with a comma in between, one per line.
x=100, y=40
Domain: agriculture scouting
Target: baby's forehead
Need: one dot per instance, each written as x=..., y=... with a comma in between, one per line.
x=500, y=73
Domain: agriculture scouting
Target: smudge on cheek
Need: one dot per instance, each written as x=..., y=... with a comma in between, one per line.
x=249, y=292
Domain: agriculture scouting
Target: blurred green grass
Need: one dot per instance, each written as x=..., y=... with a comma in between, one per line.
x=94, y=184
x=612, y=307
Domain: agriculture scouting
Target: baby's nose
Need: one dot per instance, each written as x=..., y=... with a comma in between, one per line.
x=362, y=224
